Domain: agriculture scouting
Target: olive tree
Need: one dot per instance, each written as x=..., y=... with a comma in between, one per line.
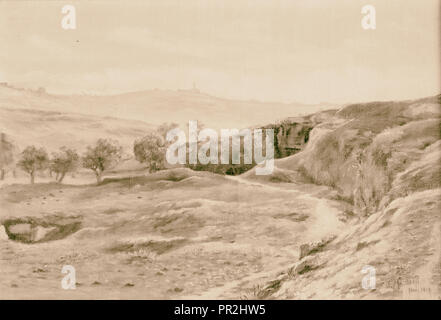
x=102, y=156
x=33, y=160
x=151, y=150
x=62, y=162
x=6, y=154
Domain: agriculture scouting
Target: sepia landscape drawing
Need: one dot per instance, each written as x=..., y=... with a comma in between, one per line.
x=220, y=149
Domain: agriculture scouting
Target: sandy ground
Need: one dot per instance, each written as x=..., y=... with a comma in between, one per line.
x=205, y=236
x=201, y=237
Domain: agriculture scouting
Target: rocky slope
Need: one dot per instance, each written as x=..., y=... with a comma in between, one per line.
x=384, y=160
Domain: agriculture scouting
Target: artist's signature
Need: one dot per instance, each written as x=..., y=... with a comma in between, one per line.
x=413, y=287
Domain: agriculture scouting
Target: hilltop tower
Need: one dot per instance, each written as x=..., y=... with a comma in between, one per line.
x=195, y=88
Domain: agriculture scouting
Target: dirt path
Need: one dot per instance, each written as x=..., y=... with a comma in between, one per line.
x=325, y=215
x=324, y=222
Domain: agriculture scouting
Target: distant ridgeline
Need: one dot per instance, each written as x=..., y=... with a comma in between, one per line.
x=40, y=90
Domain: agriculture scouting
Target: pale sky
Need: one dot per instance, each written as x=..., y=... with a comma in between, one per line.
x=291, y=50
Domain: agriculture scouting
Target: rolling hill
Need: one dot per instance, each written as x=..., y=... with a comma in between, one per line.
x=158, y=106
x=52, y=130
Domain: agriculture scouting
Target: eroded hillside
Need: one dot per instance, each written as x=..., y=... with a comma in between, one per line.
x=384, y=159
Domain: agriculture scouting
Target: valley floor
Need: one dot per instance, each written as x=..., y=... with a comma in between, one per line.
x=203, y=236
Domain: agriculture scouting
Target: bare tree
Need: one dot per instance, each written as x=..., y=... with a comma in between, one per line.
x=105, y=154
x=33, y=160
